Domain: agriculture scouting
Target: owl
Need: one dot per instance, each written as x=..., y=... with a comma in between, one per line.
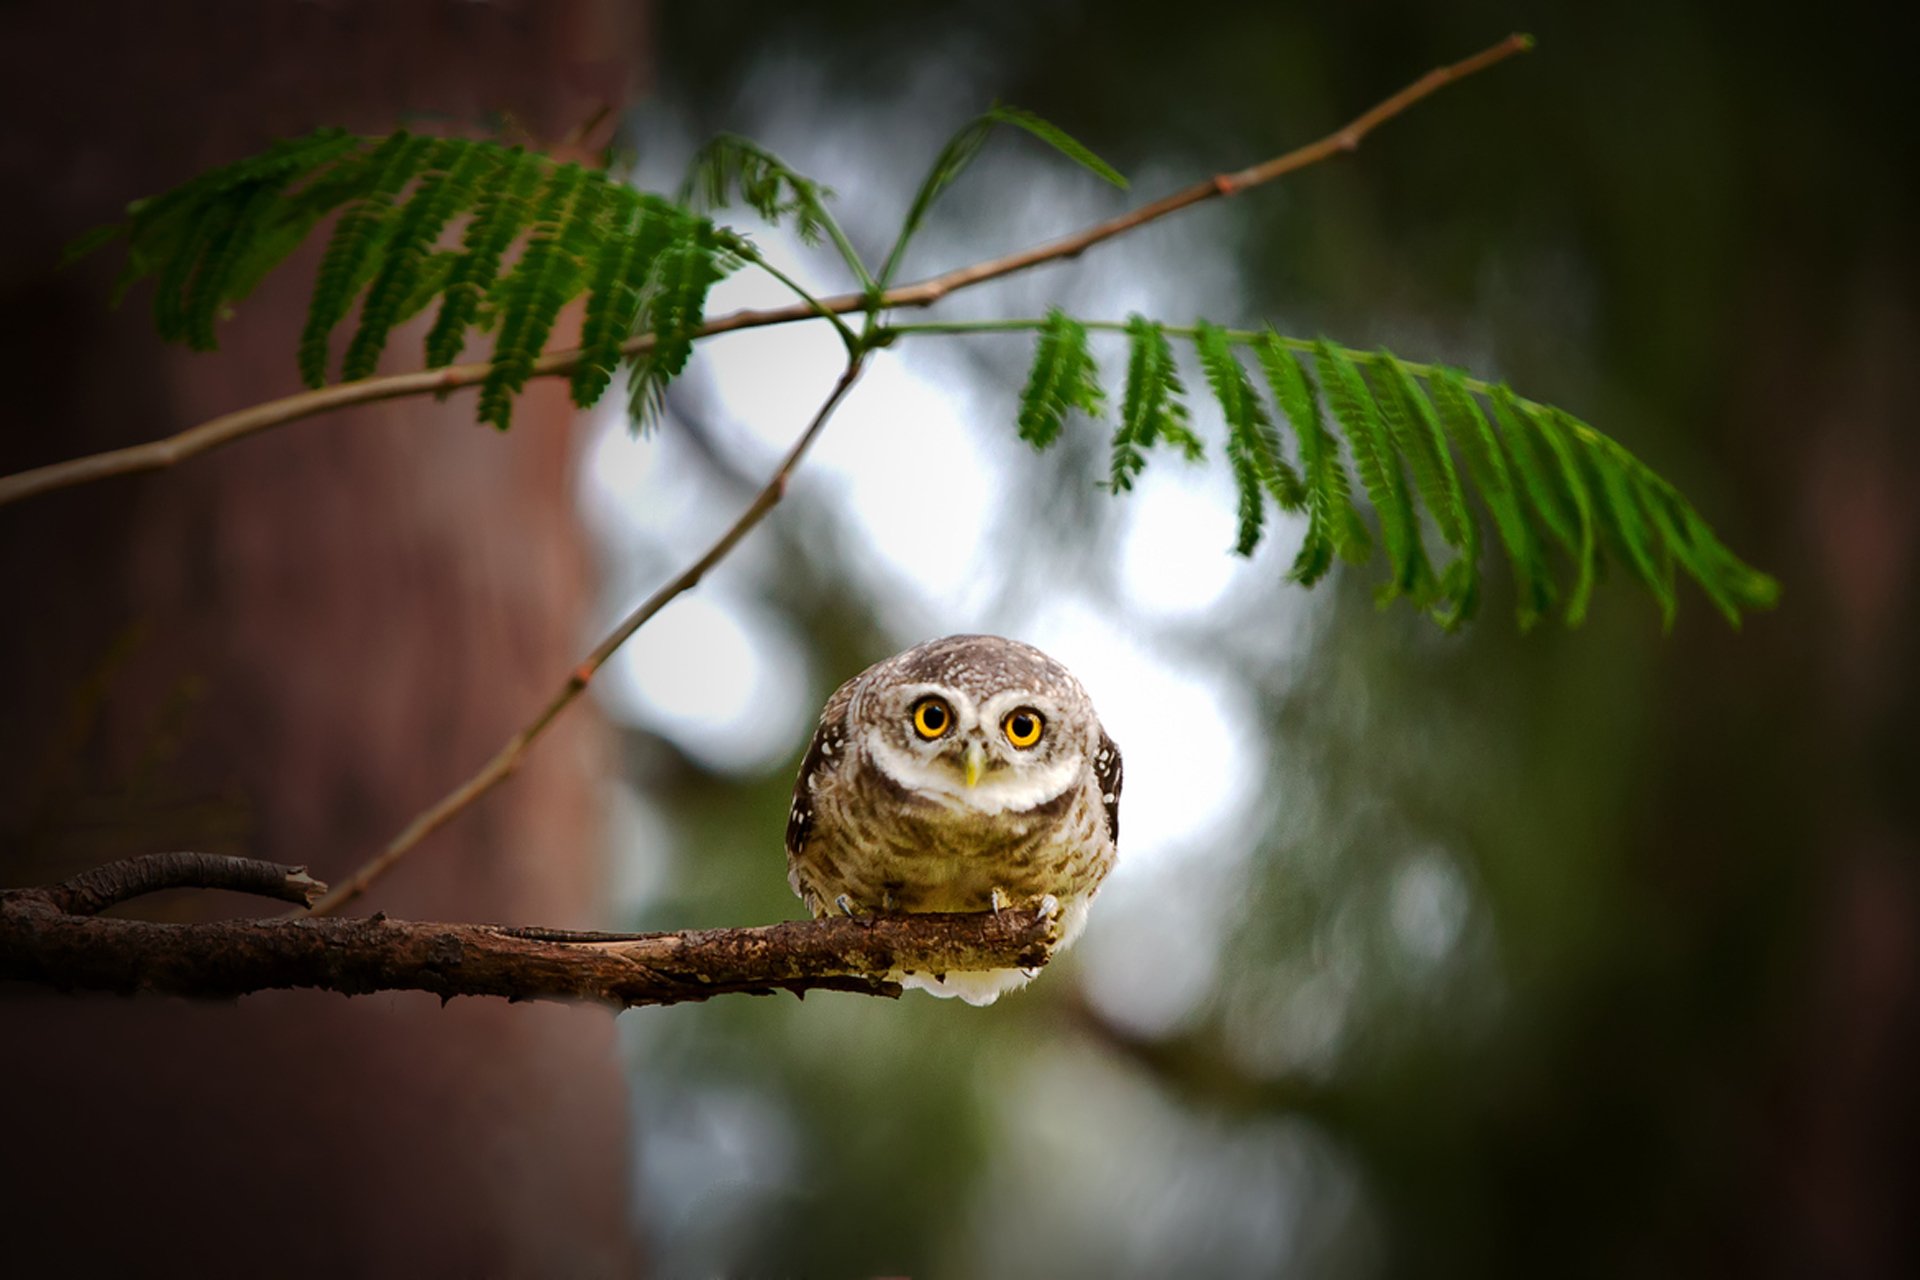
x=965, y=774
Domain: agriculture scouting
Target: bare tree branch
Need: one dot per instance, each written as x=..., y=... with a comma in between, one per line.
x=42, y=942
x=507, y=759
x=92, y=892
x=157, y=455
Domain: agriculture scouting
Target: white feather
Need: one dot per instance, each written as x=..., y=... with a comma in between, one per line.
x=984, y=986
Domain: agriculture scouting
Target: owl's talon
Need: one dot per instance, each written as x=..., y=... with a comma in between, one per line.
x=997, y=898
x=1048, y=909
x=845, y=904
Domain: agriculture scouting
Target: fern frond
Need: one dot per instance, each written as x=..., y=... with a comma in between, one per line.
x=1555, y=491
x=641, y=227
x=1379, y=467
x=689, y=265
x=730, y=164
x=1153, y=407
x=1730, y=584
x=529, y=297
x=429, y=282
x=1253, y=448
x=1487, y=465
x=352, y=251
x=1414, y=427
x=960, y=151
x=502, y=211
x=172, y=234
x=448, y=189
x=1621, y=518
x=1063, y=377
x=1059, y=139
x=227, y=228
x=1334, y=528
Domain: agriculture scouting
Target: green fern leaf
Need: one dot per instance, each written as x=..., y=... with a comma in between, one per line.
x=1334, y=528
x=352, y=252
x=691, y=263
x=330, y=176
x=196, y=237
x=959, y=152
x=1063, y=377
x=1153, y=408
x=1415, y=430
x=1253, y=448
x=1731, y=585
x=1538, y=481
x=640, y=228
x=1487, y=464
x=498, y=218
x=730, y=164
x=1555, y=490
x=1619, y=511
x=529, y=297
x=688, y=267
x=428, y=283
x=1057, y=138
x=90, y=242
x=1379, y=467
x=226, y=228
x=457, y=176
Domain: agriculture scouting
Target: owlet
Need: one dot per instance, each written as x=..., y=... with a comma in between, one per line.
x=965, y=774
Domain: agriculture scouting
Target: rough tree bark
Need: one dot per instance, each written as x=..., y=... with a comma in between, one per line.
x=290, y=649
x=53, y=936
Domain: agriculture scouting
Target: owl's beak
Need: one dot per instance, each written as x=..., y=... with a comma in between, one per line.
x=976, y=763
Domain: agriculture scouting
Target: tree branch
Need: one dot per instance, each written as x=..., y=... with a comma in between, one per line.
x=92, y=892
x=507, y=759
x=227, y=428
x=43, y=942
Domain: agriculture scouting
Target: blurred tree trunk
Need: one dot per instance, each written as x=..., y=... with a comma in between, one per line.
x=286, y=649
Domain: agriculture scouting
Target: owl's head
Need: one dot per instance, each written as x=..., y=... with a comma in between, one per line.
x=980, y=722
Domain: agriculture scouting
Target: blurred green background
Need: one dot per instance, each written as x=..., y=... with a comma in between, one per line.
x=1589, y=952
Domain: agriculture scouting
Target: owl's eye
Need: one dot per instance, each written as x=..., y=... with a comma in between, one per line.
x=931, y=718
x=1023, y=726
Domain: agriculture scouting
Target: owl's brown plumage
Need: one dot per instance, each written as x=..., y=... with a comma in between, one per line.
x=922, y=792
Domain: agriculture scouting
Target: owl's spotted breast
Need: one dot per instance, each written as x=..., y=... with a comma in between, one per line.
x=960, y=775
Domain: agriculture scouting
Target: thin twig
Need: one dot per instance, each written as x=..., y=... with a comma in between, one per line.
x=223, y=959
x=92, y=892
x=507, y=759
x=159, y=454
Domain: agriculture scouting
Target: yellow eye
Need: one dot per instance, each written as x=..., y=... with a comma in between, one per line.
x=1022, y=727
x=931, y=718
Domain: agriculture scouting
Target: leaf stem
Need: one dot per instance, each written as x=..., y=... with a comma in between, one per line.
x=1238, y=337
x=820, y=308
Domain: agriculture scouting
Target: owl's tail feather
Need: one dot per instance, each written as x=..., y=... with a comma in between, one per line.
x=979, y=987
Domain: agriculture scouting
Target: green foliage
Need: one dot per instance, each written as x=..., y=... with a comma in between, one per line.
x=731, y=165
x=688, y=267
x=1253, y=449
x=1378, y=465
x=534, y=235
x=1427, y=444
x=1424, y=449
x=1334, y=528
x=1057, y=138
x=1063, y=377
x=959, y=153
x=1154, y=406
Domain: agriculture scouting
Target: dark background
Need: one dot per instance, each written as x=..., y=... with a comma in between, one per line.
x=1678, y=1032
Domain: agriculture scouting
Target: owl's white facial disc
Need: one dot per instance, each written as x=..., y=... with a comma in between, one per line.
x=1012, y=780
